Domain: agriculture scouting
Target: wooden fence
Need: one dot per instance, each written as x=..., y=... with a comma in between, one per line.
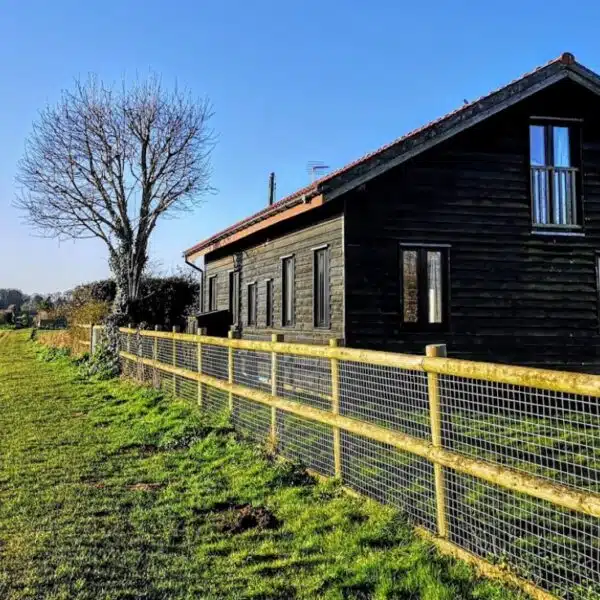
x=497, y=465
x=85, y=337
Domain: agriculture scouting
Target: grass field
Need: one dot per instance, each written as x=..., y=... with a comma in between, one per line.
x=112, y=491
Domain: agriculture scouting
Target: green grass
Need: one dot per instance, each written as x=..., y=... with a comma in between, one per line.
x=108, y=490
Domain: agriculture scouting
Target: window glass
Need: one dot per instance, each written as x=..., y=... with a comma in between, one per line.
x=212, y=293
x=561, y=147
x=424, y=282
x=234, y=295
x=252, y=304
x=321, y=288
x=434, y=286
x=410, y=284
x=537, y=144
x=269, y=303
x=287, y=291
x=554, y=179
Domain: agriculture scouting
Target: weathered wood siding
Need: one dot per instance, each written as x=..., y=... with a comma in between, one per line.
x=515, y=295
x=263, y=261
x=221, y=269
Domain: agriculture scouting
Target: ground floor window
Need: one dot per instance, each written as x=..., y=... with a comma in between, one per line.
x=269, y=303
x=252, y=302
x=321, y=302
x=234, y=296
x=424, y=283
x=212, y=293
x=287, y=291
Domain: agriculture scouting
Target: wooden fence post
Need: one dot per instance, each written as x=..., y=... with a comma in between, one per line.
x=91, y=338
x=435, y=415
x=139, y=355
x=275, y=338
x=230, y=369
x=175, y=330
x=335, y=409
x=201, y=332
x=127, y=361
x=156, y=381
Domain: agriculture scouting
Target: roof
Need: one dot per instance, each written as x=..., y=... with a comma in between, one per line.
x=374, y=163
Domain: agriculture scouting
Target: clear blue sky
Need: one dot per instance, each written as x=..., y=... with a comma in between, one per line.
x=290, y=81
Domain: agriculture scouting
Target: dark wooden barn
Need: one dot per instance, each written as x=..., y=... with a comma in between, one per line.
x=480, y=230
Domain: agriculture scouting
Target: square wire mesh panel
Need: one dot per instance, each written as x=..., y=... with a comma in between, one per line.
x=252, y=369
x=305, y=442
x=387, y=396
x=305, y=379
x=555, y=548
x=165, y=351
x=391, y=476
x=146, y=347
x=551, y=434
x=214, y=402
x=146, y=374
x=215, y=361
x=186, y=388
x=166, y=381
x=187, y=355
x=251, y=419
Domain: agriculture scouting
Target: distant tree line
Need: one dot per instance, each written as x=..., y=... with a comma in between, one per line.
x=164, y=301
x=11, y=297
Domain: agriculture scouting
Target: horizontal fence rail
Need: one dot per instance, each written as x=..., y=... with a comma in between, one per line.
x=494, y=463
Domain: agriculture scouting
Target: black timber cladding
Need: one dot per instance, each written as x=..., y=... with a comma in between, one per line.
x=261, y=261
x=515, y=296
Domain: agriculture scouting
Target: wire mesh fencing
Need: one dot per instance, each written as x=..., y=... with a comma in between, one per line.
x=552, y=434
x=504, y=469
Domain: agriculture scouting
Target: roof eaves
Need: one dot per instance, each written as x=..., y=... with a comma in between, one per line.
x=273, y=209
x=371, y=164
x=434, y=132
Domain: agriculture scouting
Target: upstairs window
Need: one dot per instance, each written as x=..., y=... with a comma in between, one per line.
x=321, y=287
x=554, y=175
x=269, y=303
x=252, y=304
x=212, y=293
x=234, y=296
x=424, y=287
x=287, y=291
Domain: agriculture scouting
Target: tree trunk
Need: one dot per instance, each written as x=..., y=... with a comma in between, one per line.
x=127, y=267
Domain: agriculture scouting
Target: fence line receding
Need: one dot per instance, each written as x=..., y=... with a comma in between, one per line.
x=499, y=465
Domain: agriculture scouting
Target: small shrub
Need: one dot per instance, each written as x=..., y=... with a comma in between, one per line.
x=101, y=365
x=104, y=363
x=49, y=354
x=93, y=311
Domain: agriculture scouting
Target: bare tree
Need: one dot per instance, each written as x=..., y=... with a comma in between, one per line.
x=108, y=164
